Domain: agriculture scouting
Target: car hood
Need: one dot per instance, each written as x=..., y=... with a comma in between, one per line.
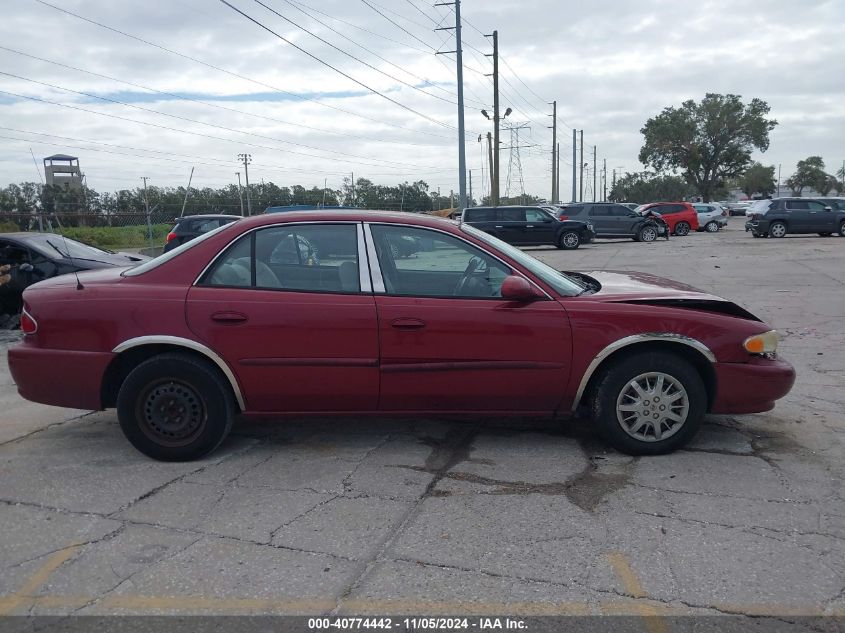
x=643, y=288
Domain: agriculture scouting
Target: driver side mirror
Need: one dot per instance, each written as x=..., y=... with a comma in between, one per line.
x=25, y=268
x=516, y=288
x=828, y=208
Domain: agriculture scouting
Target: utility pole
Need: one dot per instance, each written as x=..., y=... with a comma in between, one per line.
x=554, y=151
x=604, y=180
x=777, y=195
x=185, y=201
x=469, y=198
x=354, y=201
x=574, y=163
x=462, y=159
x=240, y=192
x=490, y=166
x=247, y=159
x=557, y=171
x=595, y=173
x=495, y=188
x=147, y=207
x=581, y=163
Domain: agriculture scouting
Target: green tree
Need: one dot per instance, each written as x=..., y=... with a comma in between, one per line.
x=708, y=141
x=809, y=173
x=758, y=179
x=647, y=187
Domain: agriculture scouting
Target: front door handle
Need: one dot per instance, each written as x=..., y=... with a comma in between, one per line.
x=230, y=318
x=407, y=323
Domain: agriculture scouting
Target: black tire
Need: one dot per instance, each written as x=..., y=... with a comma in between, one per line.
x=646, y=234
x=614, y=382
x=568, y=240
x=682, y=229
x=777, y=229
x=842, y=230
x=183, y=384
x=711, y=227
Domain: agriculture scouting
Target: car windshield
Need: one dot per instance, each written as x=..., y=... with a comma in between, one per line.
x=562, y=283
x=66, y=247
x=166, y=257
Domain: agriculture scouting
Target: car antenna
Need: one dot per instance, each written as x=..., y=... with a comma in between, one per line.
x=79, y=285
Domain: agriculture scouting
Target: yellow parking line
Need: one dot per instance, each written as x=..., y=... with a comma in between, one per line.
x=10, y=603
x=625, y=573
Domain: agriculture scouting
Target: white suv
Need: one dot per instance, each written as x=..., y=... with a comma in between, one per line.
x=711, y=217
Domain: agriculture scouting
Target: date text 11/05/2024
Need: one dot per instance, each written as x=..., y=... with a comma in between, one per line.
x=416, y=624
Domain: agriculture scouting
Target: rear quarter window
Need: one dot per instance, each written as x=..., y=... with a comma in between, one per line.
x=479, y=215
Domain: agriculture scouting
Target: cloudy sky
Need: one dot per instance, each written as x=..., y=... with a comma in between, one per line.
x=154, y=88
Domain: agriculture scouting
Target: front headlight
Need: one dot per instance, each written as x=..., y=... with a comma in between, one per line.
x=765, y=343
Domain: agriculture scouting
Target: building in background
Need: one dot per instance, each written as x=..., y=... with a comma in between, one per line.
x=63, y=170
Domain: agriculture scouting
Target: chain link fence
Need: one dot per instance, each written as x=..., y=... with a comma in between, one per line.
x=133, y=231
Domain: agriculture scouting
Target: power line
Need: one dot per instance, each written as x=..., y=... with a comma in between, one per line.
x=359, y=45
x=224, y=162
x=172, y=129
x=212, y=105
x=337, y=70
x=350, y=55
x=213, y=125
x=229, y=72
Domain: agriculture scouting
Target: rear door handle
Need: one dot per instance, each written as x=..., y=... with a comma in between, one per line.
x=229, y=317
x=407, y=323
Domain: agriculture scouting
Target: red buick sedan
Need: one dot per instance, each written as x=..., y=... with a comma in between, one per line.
x=359, y=313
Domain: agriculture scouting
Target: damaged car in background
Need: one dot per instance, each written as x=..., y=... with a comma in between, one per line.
x=468, y=326
x=34, y=257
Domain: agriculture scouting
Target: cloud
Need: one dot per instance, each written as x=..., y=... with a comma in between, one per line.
x=610, y=64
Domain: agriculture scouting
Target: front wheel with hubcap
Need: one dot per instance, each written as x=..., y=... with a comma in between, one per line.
x=650, y=403
x=682, y=229
x=569, y=240
x=175, y=407
x=647, y=234
x=711, y=227
x=777, y=229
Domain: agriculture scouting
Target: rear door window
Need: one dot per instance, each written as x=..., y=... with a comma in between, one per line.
x=512, y=215
x=479, y=215
x=797, y=205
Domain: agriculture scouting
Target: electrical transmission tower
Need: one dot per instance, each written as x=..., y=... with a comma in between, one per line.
x=515, y=176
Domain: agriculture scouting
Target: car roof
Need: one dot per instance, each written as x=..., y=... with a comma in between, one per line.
x=207, y=216
x=345, y=215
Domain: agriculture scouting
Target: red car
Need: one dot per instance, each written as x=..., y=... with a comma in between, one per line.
x=680, y=216
x=312, y=313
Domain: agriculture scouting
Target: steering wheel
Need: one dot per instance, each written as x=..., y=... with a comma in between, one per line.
x=473, y=265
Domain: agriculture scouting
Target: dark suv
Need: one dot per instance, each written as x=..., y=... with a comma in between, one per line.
x=528, y=226
x=191, y=226
x=611, y=220
x=776, y=218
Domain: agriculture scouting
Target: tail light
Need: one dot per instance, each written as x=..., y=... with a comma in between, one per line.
x=562, y=217
x=28, y=323
x=171, y=236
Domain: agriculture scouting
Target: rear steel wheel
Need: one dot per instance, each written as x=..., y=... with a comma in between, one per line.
x=682, y=229
x=175, y=407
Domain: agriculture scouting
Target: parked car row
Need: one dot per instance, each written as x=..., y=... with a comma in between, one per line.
x=230, y=322
x=780, y=216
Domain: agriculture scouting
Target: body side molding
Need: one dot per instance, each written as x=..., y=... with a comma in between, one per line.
x=667, y=337
x=189, y=344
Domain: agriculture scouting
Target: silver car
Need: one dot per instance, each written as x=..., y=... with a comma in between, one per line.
x=711, y=217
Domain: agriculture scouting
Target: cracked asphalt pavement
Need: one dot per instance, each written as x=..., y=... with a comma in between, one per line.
x=364, y=516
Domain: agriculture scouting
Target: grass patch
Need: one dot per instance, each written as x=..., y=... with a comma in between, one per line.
x=117, y=237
